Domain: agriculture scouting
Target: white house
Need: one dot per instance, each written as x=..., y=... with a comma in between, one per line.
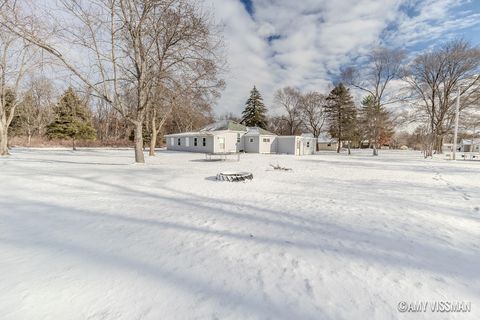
x=230, y=136
x=225, y=136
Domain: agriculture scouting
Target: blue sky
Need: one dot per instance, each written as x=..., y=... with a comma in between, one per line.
x=304, y=43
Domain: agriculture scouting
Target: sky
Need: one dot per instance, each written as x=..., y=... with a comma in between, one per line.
x=304, y=43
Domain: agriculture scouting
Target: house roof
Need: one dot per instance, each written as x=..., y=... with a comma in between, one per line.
x=469, y=141
x=224, y=125
x=257, y=131
x=190, y=134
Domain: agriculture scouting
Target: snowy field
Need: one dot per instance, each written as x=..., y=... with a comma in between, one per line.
x=89, y=235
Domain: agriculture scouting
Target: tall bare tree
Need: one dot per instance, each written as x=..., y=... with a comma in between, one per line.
x=289, y=100
x=435, y=77
x=16, y=58
x=312, y=112
x=383, y=66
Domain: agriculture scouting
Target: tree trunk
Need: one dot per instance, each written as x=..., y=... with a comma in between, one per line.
x=138, y=140
x=153, y=143
x=73, y=144
x=153, y=136
x=339, y=143
x=29, y=139
x=438, y=144
x=375, y=143
x=349, y=151
x=3, y=141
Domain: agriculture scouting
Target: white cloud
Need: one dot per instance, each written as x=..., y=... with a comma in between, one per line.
x=302, y=43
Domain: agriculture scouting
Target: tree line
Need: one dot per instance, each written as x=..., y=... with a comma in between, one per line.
x=396, y=91
x=141, y=68
x=136, y=60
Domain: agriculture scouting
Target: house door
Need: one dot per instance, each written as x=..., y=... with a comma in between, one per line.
x=299, y=145
x=221, y=144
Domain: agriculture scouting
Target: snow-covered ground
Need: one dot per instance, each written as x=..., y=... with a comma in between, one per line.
x=89, y=235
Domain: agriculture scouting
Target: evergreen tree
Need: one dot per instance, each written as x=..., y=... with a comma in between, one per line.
x=341, y=115
x=254, y=114
x=72, y=120
x=375, y=122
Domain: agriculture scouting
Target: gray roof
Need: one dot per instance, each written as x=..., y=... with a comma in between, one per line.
x=469, y=141
x=257, y=131
x=225, y=125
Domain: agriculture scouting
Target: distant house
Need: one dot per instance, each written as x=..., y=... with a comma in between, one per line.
x=230, y=136
x=470, y=145
x=327, y=143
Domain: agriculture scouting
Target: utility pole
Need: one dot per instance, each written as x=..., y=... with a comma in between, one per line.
x=455, y=133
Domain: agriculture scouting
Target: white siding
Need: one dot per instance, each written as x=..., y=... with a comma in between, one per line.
x=267, y=144
x=251, y=144
x=309, y=145
x=208, y=148
x=286, y=145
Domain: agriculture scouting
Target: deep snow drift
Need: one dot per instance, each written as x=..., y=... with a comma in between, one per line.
x=88, y=235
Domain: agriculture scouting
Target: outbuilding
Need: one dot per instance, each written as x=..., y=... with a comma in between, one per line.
x=258, y=140
x=297, y=145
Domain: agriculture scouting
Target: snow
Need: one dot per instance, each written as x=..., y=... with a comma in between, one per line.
x=88, y=235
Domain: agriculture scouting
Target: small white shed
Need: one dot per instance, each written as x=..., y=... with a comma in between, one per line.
x=258, y=140
x=297, y=145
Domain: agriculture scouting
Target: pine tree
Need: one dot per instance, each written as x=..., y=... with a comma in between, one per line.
x=341, y=115
x=254, y=114
x=72, y=120
x=375, y=122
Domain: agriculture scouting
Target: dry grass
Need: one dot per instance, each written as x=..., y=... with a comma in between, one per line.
x=39, y=142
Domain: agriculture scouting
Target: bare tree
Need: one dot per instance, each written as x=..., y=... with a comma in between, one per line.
x=131, y=45
x=159, y=112
x=190, y=112
x=289, y=99
x=312, y=112
x=383, y=66
x=434, y=79
x=16, y=58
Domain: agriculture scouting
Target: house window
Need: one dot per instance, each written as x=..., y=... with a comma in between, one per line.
x=266, y=140
x=308, y=144
x=178, y=142
x=195, y=142
x=204, y=142
x=238, y=137
x=251, y=140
